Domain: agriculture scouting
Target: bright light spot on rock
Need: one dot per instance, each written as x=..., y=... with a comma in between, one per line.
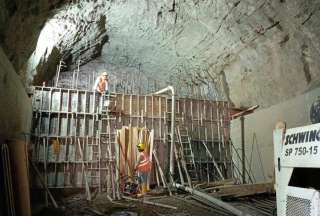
x=49, y=37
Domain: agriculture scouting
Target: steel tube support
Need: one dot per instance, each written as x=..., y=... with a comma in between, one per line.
x=170, y=89
x=243, y=152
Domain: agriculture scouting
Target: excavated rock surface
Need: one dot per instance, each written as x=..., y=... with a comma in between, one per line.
x=247, y=51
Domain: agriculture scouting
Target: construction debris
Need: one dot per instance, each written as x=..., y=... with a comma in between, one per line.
x=213, y=200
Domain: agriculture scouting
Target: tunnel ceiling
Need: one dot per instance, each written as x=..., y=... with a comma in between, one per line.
x=247, y=51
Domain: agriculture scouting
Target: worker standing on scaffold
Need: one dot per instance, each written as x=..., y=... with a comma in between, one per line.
x=143, y=167
x=101, y=87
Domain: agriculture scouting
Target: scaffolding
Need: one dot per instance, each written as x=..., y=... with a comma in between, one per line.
x=73, y=143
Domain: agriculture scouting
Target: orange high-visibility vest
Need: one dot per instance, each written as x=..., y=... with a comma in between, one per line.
x=144, y=164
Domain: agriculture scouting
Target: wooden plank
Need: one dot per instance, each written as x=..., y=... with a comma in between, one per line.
x=130, y=110
x=152, y=112
x=135, y=142
x=159, y=169
x=241, y=190
x=178, y=164
x=212, y=185
x=122, y=149
x=128, y=152
x=117, y=162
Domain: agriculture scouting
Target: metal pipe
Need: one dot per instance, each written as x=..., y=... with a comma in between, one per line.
x=243, y=153
x=58, y=72
x=170, y=89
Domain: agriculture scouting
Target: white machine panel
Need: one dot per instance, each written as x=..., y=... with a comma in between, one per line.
x=300, y=146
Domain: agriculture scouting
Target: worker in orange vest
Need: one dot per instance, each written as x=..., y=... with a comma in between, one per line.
x=101, y=87
x=144, y=167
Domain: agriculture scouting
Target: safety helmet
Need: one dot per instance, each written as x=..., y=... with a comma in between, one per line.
x=104, y=74
x=140, y=147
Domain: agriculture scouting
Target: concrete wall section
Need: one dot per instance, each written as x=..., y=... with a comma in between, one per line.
x=15, y=105
x=259, y=128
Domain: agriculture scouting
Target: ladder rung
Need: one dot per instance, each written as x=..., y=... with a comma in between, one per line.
x=101, y=168
x=104, y=119
x=111, y=95
x=105, y=133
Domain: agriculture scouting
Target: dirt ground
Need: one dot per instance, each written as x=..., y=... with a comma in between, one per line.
x=186, y=206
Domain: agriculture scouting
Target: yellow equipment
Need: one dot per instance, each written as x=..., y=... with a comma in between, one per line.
x=140, y=147
x=56, y=146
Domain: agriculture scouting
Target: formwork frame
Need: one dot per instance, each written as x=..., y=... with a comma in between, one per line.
x=70, y=116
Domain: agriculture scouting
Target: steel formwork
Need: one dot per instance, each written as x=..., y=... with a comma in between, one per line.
x=73, y=144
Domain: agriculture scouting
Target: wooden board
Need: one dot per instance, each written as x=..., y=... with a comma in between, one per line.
x=241, y=190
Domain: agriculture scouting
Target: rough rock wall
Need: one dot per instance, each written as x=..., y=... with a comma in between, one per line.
x=247, y=51
x=15, y=105
x=38, y=34
x=282, y=62
x=7, y=8
x=20, y=27
x=129, y=79
x=251, y=52
x=75, y=30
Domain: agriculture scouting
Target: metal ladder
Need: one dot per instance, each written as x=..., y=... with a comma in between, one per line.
x=104, y=139
x=187, y=152
x=94, y=158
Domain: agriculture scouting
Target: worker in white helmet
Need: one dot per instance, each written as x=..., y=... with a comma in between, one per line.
x=101, y=83
x=101, y=87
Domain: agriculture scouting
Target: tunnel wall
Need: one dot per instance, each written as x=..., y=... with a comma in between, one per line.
x=259, y=128
x=15, y=106
x=15, y=123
